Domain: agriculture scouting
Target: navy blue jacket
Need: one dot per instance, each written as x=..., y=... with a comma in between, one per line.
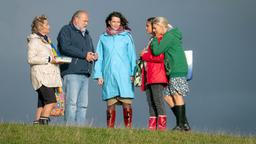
x=73, y=44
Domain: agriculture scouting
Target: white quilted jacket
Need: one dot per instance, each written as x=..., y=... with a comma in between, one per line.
x=41, y=71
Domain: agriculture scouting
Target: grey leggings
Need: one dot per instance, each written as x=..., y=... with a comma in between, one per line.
x=155, y=100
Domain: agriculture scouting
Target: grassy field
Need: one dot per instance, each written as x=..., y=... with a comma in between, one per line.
x=29, y=134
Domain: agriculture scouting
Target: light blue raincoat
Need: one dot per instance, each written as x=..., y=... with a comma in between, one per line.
x=116, y=63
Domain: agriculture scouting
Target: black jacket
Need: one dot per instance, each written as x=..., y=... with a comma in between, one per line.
x=73, y=44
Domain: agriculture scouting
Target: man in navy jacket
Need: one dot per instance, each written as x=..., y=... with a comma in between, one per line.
x=74, y=41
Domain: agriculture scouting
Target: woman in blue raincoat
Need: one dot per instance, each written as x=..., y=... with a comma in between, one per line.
x=115, y=66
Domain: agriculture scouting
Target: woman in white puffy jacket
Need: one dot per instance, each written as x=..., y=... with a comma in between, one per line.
x=44, y=69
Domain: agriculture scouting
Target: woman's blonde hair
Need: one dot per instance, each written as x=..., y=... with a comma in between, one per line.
x=162, y=21
x=37, y=21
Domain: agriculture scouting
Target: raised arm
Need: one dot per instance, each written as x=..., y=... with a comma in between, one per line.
x=150, y=58
x=164, y=45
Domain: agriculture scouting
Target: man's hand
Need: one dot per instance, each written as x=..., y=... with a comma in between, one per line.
x=95, y=56
x=90, y=56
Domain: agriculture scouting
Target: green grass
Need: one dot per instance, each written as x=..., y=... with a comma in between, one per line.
x=29, y=134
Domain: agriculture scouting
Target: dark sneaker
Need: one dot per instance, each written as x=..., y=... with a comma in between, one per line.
x=178, y=128
x=35, y=122
x=44, y=120
x=186, y=127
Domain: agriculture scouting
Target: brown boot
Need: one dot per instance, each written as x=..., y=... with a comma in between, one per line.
x=111, y=117
x=127, y=117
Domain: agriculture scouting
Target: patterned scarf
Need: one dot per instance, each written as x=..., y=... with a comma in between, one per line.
x=111, y=31
x=54, y=49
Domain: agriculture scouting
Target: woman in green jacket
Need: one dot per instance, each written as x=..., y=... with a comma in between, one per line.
x=176, y=69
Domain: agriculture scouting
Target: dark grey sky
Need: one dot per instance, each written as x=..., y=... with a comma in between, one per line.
x=220, y=32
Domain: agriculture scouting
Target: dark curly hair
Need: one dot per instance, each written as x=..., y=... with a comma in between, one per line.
x=124, y=21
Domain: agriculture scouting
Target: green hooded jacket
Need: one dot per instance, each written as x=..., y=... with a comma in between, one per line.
x=175, y=59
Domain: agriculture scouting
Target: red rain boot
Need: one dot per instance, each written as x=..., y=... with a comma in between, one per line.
x=152, y=123
x=111, y=117
x=161, y=122
x=127, y=117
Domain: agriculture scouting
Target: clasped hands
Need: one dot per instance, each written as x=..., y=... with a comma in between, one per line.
x=91, y=56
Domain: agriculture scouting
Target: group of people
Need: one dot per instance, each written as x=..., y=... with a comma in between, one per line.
x=112, y=64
